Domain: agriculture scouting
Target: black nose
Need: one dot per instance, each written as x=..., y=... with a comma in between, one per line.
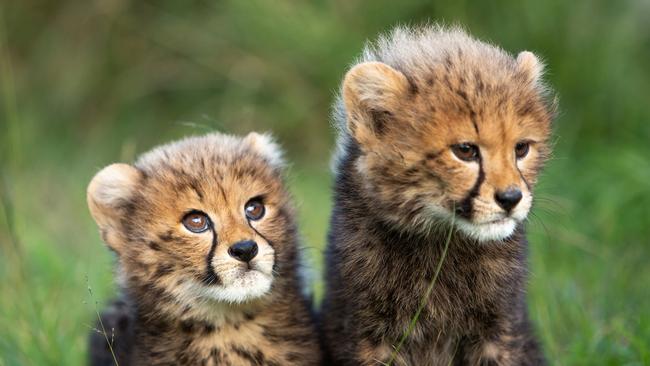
x=508, y=198
x=243, y=251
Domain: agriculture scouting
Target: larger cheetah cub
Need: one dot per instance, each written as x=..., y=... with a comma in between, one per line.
x=441, y=135
x=207, y=256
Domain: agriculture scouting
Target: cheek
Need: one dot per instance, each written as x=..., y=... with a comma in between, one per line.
x=459, y=178
x=529, y=168
x=265, y=256
x=191, y=254
x=275, y=227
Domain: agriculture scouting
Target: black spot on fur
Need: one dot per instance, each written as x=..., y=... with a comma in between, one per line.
x=195, y=187
x=463, y=95
x=167, y=236
x=208, y=328
x=255, y=357
x=480, y=85
x=104, y=235
x=380, y=120
x=526, y=108
x=216, y=355
x=465, y=207
x=413, y=86
x=163, y=270
x=154, y=246
x=432, y=155
x=188, y=326
x=412, y=171
x=472, y=116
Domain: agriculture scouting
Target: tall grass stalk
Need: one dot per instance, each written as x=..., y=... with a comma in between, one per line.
x=425, y=298
x=101, y=324
x=9, y=101
x=8, y=150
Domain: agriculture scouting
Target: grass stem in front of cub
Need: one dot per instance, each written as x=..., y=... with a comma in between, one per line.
x=425, y=299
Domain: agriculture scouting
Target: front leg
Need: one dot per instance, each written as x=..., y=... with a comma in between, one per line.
x=505, y=350
x=368, y=354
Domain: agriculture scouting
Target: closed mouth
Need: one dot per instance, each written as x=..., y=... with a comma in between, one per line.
x=500, y=221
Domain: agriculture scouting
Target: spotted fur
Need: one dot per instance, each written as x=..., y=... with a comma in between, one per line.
x=186, y=300
x=413, y=96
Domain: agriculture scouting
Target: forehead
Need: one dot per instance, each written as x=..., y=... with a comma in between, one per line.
x=208, y=170
x=476, y=106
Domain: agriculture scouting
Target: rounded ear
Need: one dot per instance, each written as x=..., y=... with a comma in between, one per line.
x=107, y=194
x=372, y=92
x=265, y=145
x=530, y=66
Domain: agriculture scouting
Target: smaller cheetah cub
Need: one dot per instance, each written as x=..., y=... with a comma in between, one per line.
x=206, y=243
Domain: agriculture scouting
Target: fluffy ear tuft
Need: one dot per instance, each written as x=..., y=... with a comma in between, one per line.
x=371, y=92
x=266, y=146
x=530, y=65
x=108, y=191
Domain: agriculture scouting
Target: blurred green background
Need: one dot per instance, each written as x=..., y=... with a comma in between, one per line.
x=87, y=83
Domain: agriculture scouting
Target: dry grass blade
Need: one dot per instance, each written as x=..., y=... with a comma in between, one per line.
x=101, y=324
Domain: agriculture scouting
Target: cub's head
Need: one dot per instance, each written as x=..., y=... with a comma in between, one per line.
x=447, y=125
x=205, y=218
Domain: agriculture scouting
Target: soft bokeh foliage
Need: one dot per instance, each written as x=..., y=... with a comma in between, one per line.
x=87, y=83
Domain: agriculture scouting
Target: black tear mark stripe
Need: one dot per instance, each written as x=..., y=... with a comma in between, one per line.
x=271, y=244
x=466, y=205
x=260, y=234
x=211, y=277
x=522, y=176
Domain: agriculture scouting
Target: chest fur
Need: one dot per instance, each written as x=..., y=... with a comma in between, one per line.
x=474, y=285
x=201, y=343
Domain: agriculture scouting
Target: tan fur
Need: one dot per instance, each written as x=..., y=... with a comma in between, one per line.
x=183, y=313
x=416, y=95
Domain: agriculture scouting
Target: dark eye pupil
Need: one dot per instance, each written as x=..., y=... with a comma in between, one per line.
x=195, y=222
x=465, y=152
x=521, y=149
x=254, y=210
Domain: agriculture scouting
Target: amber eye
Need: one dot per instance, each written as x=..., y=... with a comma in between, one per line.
x=196, y=222
x=466, y=152
x=254, y=209
x=521, y=149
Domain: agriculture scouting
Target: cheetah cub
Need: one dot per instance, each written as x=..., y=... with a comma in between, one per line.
x=205, y=238
x=441, y=136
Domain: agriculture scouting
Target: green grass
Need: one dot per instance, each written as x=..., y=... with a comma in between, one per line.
x=84, y=84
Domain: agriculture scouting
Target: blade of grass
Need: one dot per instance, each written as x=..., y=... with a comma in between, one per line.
x=101, y=324
x=425, y=298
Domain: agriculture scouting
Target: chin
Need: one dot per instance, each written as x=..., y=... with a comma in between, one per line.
x=247, y=286
x=239, y=287
x=489, y=231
